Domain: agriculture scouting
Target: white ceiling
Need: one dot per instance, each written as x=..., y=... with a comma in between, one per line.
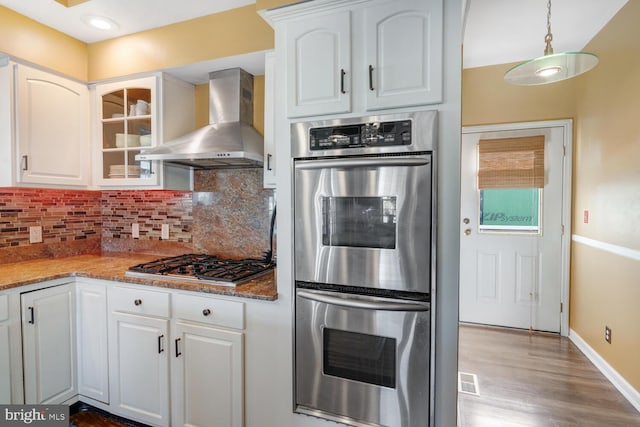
x=496, y=31
x=503, y=31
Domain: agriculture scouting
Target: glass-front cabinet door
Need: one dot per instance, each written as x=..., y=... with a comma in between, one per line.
x=128, y=124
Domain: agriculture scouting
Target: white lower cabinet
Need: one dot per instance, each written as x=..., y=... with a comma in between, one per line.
x=93, y=363
x=138, y=355
x=207, y=375
x=11, y=391
x=49, y=344
x=207, y=367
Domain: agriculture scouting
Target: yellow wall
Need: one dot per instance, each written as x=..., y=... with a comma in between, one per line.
x=29, y=40
x=605, y=287
x=487, y=99
x=605, y=106
x=229, y=33
x=269, y=4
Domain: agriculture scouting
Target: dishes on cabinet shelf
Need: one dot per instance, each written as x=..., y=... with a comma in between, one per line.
x=145, y=140
x=132, y=140
x=118, y=171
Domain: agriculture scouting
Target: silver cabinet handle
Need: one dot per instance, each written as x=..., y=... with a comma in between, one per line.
x=25, y=163
x=363, y=302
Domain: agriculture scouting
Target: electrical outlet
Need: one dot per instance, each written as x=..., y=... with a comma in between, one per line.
x=607, y=334
x=164, y=232
x=135, y=230
x=35, y=234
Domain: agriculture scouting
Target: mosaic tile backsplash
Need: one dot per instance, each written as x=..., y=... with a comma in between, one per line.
x=65, y=215
x=227, y=215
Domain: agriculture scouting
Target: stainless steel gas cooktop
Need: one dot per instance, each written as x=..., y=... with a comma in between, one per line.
x=204, y=268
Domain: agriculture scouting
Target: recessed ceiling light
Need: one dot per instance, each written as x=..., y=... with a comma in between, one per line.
x=100, y=22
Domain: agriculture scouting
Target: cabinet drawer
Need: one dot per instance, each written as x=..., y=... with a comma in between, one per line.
x=4, y=307
x=139, y=301
x=228, y=314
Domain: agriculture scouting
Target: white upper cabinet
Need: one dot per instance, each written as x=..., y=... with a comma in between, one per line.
x=319, y=64
x=45, y=118
x=131, y=115
x=356, y=56
x=403, y=54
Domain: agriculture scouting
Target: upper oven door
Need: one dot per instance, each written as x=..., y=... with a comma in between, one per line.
x=364, y=222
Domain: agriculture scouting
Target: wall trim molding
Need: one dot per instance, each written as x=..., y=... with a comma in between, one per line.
x=608, y=247
x=618, y=381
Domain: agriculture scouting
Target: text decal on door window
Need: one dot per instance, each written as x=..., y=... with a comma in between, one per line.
x=513, y=209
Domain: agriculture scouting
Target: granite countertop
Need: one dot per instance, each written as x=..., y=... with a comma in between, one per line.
x=112, y=266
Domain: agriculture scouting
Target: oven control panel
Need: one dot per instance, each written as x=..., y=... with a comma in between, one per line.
x=373, y=134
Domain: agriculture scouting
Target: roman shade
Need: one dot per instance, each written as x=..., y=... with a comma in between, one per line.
x=511, y=162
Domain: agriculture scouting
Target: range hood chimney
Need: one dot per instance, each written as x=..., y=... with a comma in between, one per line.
x=229, y=141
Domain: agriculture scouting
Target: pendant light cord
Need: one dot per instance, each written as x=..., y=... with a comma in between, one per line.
x=548, y=50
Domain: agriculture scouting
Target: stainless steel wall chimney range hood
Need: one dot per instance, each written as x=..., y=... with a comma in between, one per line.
x=229, y=141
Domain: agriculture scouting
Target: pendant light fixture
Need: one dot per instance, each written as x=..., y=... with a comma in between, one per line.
x=551, y=67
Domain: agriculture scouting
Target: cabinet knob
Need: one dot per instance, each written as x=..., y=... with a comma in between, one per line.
x=137, y=301
x=206, y=312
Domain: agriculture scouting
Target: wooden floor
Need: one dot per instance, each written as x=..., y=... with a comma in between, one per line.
x=91, y=418
x=539, y=380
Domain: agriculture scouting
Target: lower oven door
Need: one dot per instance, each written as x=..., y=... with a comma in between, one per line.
x=362, y=360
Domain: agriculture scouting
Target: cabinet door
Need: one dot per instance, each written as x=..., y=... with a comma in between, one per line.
x=269, y=168
x=52, y=128
x=207, y=366
x=138, y=360
x=49, y=347
x=127, y=122
x=403, y=52
x=11, y=378
x=5, y=354
x=93, y=369
x=319, y=65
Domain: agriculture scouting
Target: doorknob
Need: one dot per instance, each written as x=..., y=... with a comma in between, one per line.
x=467, y=232
x=466, y=220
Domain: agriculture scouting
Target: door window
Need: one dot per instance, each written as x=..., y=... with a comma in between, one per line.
x=510, y=183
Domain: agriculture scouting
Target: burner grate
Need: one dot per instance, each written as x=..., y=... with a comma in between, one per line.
x=205, y=267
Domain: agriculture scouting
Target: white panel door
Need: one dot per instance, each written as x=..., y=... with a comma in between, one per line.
x=49, y=345
x=52, y=128
x=138, y=359
x=403, y=48
x=208, y=385
x=511, y=277
x=319, y=65
x=93, y=364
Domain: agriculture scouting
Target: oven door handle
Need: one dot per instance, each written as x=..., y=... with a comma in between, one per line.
x=364, y=302
x=360, y=163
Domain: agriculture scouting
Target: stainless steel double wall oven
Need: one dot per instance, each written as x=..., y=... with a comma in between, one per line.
x=364, y=268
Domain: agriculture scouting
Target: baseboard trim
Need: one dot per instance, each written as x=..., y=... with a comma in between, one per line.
x=627, y=390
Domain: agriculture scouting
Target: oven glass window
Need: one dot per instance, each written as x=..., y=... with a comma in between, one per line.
x=360, y=357
x=362, y=222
